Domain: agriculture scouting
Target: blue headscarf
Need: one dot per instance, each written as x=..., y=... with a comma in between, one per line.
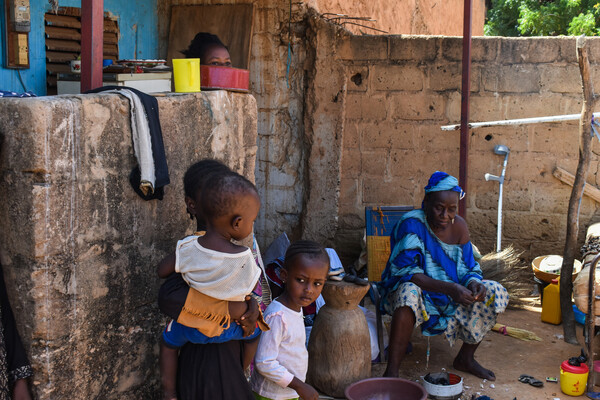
x=441, y=181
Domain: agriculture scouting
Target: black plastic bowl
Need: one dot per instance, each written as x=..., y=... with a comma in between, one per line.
x=385, y=389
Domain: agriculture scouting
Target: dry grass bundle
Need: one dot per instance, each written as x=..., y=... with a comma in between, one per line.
x=522, y=334
x=507, y=268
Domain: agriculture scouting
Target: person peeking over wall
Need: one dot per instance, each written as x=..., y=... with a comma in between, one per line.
x=209, y=49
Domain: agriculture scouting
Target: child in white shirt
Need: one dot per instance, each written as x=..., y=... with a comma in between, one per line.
x=281, y=359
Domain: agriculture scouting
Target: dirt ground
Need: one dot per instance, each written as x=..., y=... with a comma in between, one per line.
x=508, y=357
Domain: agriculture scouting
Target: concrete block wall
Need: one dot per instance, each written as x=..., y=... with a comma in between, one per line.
x=79, y=248
x=401, y=89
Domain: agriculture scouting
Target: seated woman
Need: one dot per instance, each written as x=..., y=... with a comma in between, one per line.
x=432, y=280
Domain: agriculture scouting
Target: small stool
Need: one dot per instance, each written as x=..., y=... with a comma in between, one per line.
x=339, y=349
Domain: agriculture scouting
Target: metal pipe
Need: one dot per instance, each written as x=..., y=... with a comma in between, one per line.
x=464, y=105
x=519, y=121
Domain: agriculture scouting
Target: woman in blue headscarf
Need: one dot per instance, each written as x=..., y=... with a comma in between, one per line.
x=433, y=281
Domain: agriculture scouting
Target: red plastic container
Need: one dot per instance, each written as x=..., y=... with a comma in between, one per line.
x=214, y=77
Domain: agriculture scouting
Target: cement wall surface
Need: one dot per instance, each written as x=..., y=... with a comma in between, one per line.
x=400, y=90
x=79, y=247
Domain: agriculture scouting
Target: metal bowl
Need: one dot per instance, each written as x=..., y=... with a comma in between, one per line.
x=445, y=392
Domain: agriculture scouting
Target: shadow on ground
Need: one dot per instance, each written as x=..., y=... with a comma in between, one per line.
x=508, y=357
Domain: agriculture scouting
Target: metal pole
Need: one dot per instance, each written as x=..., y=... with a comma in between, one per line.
x=464, y=107
x=92, y=32
x=519, y=121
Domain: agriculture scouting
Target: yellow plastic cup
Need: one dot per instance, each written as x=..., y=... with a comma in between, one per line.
x=186, y=72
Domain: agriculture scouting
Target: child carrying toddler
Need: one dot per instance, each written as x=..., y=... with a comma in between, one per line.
x=216, y=268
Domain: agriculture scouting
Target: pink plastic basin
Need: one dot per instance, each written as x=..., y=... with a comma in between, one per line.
x=385, y=389
x=215, y=77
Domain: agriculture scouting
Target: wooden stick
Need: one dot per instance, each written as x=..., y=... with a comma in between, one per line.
x=585, y=138
x=589, y=190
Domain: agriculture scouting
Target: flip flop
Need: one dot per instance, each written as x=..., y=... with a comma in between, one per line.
x=531, y=380
x=355, y=279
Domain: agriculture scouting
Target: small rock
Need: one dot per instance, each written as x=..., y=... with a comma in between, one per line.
x=493, y=386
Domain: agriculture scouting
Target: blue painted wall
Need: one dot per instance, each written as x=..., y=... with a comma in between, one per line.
x=129, y=13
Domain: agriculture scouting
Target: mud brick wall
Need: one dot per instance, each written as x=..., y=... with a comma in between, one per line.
x=401, y=89
x=79, y=247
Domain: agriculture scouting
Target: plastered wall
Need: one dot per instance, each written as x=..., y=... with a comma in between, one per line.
x=416, y=17
x=79, y=248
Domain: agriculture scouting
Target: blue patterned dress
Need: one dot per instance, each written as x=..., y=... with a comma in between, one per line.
x=416, y=250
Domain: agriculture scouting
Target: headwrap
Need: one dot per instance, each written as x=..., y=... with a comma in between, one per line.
x=441, y=181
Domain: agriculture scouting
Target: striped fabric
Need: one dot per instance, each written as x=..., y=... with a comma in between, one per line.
x=416, y=250
x=441, y=181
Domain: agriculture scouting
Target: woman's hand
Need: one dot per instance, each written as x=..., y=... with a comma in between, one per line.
x=478, y=290
x=461, y=295
x=248, y=320
x=21, y=391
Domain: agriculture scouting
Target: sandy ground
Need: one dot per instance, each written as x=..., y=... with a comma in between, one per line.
x=508, y=357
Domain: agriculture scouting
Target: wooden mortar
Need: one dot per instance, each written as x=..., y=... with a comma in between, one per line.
x=339, y=349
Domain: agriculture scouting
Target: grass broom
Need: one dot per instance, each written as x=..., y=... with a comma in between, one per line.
x=516, y=333
x=507, y=268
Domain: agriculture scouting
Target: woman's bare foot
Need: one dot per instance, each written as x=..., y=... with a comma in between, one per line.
x=473, y=367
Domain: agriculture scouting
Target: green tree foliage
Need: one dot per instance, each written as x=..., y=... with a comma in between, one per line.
x=543, y=18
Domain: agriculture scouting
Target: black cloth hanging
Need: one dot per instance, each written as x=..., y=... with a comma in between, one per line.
x=161, y=170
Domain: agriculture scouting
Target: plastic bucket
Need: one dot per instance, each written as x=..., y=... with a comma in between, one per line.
x=186, y=73
x=573, y=379
x=385, y=388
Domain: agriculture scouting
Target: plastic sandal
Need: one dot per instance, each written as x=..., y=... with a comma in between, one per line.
x=355, y=279
x=531, y=380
